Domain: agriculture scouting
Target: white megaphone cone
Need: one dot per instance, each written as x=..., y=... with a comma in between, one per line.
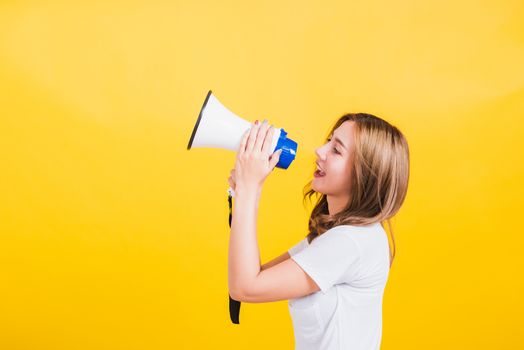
x=218, y=127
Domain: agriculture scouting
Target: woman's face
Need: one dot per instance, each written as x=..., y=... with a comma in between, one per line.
x=334, y=158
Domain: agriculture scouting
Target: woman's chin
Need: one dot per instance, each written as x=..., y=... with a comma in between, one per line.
x=315, y=187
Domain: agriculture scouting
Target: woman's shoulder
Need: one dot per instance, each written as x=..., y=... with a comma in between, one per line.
x=372, y=232
x=357, y=233
x=374, y=227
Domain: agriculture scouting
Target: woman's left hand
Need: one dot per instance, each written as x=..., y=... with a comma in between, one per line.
x=254, y=163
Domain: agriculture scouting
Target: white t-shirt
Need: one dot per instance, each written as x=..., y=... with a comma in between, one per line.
x=350, y=264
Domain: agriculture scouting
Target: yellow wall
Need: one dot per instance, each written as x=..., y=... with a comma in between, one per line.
x=114, y=236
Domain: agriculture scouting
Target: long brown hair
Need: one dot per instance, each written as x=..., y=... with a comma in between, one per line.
x=379, y=179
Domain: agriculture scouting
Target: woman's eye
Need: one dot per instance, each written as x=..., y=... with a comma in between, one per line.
x=334, y=149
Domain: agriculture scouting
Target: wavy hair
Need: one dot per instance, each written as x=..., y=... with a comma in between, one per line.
x=379, y=179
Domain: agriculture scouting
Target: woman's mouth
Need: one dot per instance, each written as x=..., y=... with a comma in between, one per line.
x=319, y=173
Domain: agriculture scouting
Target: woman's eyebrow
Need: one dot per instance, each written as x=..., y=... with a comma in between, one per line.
x=339, y=141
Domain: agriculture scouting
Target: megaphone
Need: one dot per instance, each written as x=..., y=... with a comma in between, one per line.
x=218, y=127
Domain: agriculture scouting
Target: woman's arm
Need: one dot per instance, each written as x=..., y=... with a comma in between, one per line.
x=275, y=261
x=244, y=257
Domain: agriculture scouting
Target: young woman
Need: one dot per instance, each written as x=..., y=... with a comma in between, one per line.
x=335, y=277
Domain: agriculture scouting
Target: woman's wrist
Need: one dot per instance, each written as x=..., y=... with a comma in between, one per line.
x=248, y=190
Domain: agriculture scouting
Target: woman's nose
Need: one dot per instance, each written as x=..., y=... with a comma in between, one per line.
x=318, y=152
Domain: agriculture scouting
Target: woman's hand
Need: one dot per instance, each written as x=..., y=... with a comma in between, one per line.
x=231, y=179
x=254, y=163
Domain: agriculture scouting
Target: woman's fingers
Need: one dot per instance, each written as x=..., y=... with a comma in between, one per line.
x=243, y=142
x=231, y=179
x=261, y=134
x=268, y=140
x=252, y=137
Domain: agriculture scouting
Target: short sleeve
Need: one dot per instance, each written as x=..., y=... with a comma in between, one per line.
x=298, y=247
x=331, y=258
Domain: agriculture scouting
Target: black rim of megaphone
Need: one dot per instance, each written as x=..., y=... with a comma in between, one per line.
x=198, y=121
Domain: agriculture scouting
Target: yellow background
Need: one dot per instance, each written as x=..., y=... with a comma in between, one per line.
x=114, y=236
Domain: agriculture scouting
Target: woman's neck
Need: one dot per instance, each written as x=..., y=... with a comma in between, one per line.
x=336, y=204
